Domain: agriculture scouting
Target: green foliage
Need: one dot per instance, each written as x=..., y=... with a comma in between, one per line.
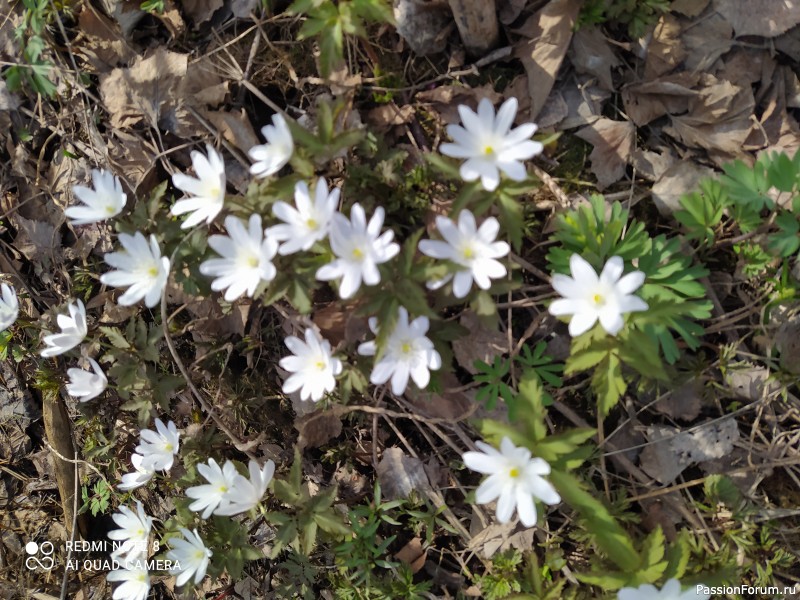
x=702, y=211
x=672, y=290
x=98, y=502
x=330, y=21
x=35, y=69
x=637, y=15
x=365, y=550
x=297, y=528
x=504, y=578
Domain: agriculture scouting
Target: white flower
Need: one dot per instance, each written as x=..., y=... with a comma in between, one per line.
x=106, y=200
x=140, y=266
x=158, y=448
x=589, y=298
x=471, y=247
x=247, y=256
x=309, y=222
x=191, y=555
x=312, y=365
x=359, y=248
x=9, y=306
x=514, y=478
x=488, y=143
x=408, y=352
x=670, y=591
x=210, y=496
x=139, y=477
x=73, y=331
x=207, y=190
x=245, y=494
x=86, y=385
x=136, y=583
x=134, y=532
x=271, y=157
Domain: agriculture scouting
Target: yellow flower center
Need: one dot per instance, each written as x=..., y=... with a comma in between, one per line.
x=168, y=447
x=312, y=223
x=252, y=261
x=214, y=191
x=598, y=299
x=468, y=253
x=405, y=348
x=488, y=150
x=223, y=489
x=320, y=365
x=358, y=254
x=152, y=271
x=199, y=554
x=514, y=473
x=110, y=209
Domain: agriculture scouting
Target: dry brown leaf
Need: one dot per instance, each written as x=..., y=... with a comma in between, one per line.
x=446, y=98
x=413, y=554
x=400, y=474
x=424, y=27
x=591, y=53
x=612, y=141
x=545, y=39
x=134, y=159
x=651, y=165
x=148, y=89
x=767, y=18
x=451, y=405
x=584, y=104
x=667, y=95
x=681, y=178
x=706, y=40
x=719, y=118
x=688, y=8
x=200, y=11
x=234, y=126
x=683, y=403
x=36, y=239
x=665, y=52
x=671, y=451
x=482, y=343
x=318, y=428
x=105, y=47
x=125, y=12
x=386, y=116
x=498, y=537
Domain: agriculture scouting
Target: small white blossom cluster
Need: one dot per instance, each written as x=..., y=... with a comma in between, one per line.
x=156, y=452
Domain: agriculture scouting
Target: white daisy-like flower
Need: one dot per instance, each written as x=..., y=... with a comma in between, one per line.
x=139, y=477
x=73, y=331
x=135, y=582
x=245, y=494
x=9, y=306
x=213, y=495
x=310, y=222
x=359, y=248
x=87, y=385
x=106, y=200
x=270, y=158
x=134, y=532
x=140, y=268
x=207, y=191
x=670, y=591
x=246, y=258
x=515, y=480
x=588, y=297
x=470, y=246
x=490, y=145
x=191, y=556
x=408, y=353
x=312, y=366
x=158, y=448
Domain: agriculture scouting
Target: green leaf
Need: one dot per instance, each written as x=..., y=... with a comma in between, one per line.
x=786, y=241
x=608, y=384
x=115, y=336
x=609, y=536
x=781, y=172
x=678, y=556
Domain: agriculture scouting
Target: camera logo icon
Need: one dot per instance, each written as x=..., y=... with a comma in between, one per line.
x=40, y=556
